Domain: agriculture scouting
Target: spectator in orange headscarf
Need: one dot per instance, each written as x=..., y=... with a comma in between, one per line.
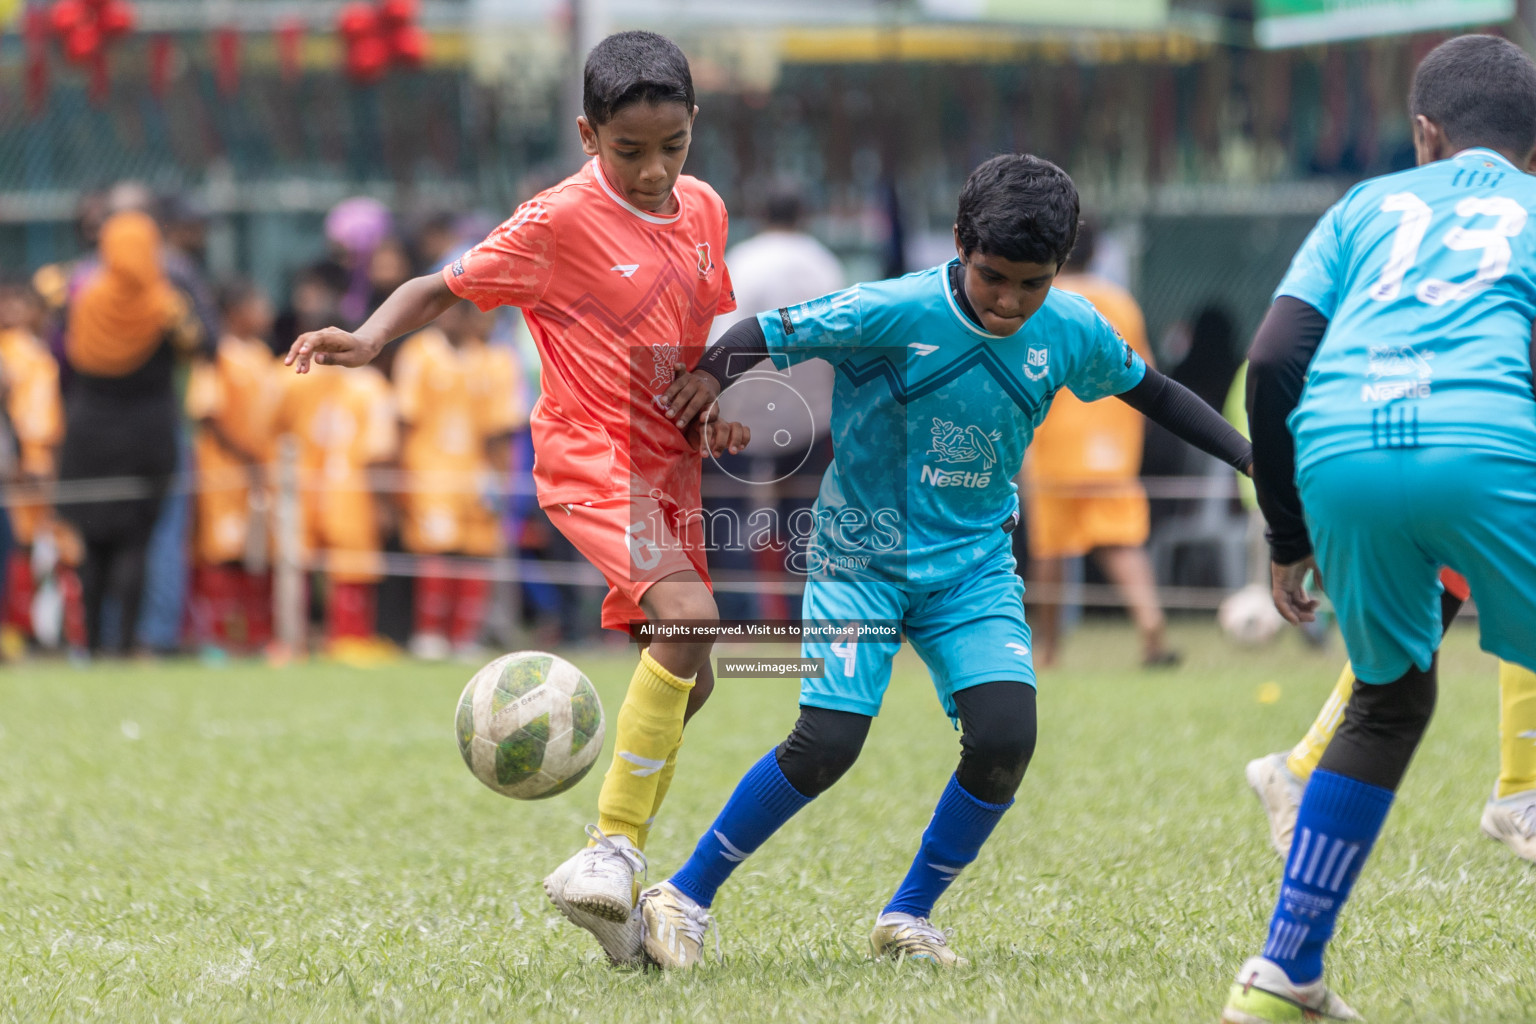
x=124, y=329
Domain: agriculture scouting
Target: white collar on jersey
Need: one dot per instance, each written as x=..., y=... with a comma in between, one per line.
x=649, y=218
x=954, y=308
x=1485, y=151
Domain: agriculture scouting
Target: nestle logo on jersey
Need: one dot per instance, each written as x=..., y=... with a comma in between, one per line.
x=954, y=478
x=1412, y=368
x=1394, y=390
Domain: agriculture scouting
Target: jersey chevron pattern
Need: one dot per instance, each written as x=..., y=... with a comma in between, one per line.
x=1428, y=280
x=615, y=297
x=930, y=419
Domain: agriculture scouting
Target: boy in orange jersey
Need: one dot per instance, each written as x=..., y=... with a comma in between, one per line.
x=35, y=409
x=617, y=272
x=458, y=403
x=345, y=425
x=232, y=399
x=1084, y=495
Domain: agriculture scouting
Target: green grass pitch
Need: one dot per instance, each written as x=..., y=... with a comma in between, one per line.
x=241, y=844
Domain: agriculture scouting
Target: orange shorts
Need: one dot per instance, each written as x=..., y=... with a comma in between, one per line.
x=1455, y=584
x=1065, y=527
x=634, y=542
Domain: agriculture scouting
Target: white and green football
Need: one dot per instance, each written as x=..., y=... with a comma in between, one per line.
x=530, y=725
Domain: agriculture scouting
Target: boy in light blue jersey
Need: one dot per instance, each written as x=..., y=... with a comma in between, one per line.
x=942, y=377
x=1392, y=381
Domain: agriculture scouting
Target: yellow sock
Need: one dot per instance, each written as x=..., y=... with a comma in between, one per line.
x=649, y=729
x=1517, y=729
x=1305, y=755
x=663, y=783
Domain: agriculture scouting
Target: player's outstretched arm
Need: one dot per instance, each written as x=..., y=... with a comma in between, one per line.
x=411, y=306
x=736, y=351
x=1180, y=411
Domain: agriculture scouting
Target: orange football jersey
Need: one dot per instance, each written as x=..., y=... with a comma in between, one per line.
x=345, y=423
x=442, y=452
x=497, y=389
x=238, y=392
x=614, y=297
x=1095, y=443
x=36, y=409
x=32, y=399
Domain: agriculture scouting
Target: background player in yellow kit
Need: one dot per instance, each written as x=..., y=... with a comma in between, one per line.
x=1084, y=495
x=233, y=401
x=345, y=424
x=498, y=394
x=458, y=399
x=35, y=408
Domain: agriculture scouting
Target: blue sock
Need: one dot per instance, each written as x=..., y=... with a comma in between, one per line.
x=763, y=801
x=1338, y=822
x=960, y=824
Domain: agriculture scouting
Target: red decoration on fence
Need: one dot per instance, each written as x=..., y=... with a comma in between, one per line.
x=379, y=36
x=226, y=60
x=290, y=46
x=36, y=32
x=162, y=52
x=85, y=29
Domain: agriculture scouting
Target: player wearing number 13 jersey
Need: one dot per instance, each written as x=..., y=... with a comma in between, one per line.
x=1392, y=382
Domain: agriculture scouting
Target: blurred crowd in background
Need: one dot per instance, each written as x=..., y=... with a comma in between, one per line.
x=144, y=405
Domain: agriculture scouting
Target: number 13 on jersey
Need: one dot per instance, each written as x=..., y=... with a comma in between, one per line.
x=1510, y=218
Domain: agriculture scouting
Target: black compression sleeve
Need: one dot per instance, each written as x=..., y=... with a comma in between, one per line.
x=1277, y=371
x=1171, y=405
x=740, y=348
x=997, y=738
x=821, y=748
x=1382, y=726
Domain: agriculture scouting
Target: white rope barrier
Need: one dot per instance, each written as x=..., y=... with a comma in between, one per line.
x=398, y=481
x=287, y=483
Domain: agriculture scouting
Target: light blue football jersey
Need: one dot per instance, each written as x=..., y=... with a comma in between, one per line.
x=1428, y=279
x=930, y=418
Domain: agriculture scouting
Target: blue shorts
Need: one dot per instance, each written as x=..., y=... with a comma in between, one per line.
x=1384, y=522
x=968, y=633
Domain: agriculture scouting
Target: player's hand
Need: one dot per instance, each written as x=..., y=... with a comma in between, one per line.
x=709, y=436
x=329, y=346
x=689, y=395
x=1288, y=586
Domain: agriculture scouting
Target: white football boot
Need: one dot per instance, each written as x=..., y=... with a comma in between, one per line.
x=430, y=647
x=600, y=879
x=1512, y=821
x=903, y=936
x=675, y=926
x=1279, y=790
x=1262, y=994
x=620, y=939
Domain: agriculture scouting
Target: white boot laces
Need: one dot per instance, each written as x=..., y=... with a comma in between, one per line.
x=925, y=929
x=617, y=859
